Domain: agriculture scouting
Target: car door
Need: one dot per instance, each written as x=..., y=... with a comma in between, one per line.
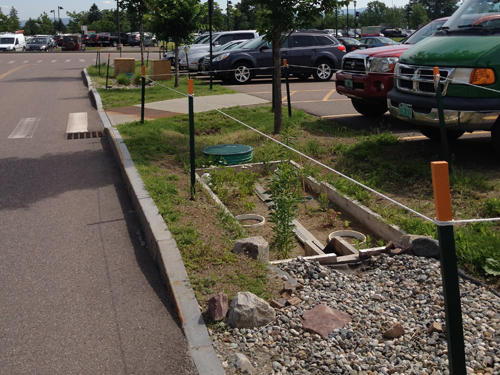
x=302, y=47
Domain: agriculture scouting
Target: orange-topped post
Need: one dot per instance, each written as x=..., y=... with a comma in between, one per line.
x=191, y=136
x=285, y=64
x=449, y=271
x=107, y=71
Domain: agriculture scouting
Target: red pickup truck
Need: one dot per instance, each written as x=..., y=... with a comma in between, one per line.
x=367, y=75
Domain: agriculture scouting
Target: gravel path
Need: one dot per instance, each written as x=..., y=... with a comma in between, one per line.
x=388, y=290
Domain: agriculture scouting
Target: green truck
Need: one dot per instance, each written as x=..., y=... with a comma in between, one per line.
x=467, y=52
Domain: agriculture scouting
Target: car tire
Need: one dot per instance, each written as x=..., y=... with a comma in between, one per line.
x=323, y=71
x=70, y=45
x=114, y=43
x=369, y=108
x=302, y=76
x=435, y=133
x=241, y=73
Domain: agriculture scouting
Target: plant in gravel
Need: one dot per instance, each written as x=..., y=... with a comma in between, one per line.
x=324, y=202
x=330, y=218
x=285, y=190
x=137, y=79
x=123, y=79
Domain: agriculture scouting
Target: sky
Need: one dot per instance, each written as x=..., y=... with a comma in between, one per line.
x=34, y=8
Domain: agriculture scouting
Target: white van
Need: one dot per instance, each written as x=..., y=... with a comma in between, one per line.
x=12, y=42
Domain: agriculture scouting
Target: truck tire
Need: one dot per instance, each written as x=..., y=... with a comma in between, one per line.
x=302, y=76
x=495, y=137
x=114, y=43
x=435, y=133
x=369, y=108
x=241, y=73
x=323, y=71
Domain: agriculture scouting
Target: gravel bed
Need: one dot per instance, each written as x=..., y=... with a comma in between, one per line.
x=387, y=290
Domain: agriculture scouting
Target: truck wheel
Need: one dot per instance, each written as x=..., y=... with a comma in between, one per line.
x=114, y=43
x=323, y=71
x=242, y=73
x=369, y=108
x=495, y=137
x=435, y=133
x=302, y=76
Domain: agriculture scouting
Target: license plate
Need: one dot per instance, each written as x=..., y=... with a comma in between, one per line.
x=405, y=110
x=349, y=85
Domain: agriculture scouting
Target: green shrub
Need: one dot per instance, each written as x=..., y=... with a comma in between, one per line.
x=123, y=79
x=137, y=78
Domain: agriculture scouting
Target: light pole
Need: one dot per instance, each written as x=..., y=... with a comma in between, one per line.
x=336, y=21
x=54, y=11
x=227, y=11
x=347, y=24
x=58, y=16
x=355, y=19
x=118, y=24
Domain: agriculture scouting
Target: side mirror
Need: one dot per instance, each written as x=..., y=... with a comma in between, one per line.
x=263, y=47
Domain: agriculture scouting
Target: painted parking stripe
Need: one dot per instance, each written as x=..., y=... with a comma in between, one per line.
x=53, y=61
x=82, y=60
x=67, y=61
x=25, y=61
x=26, y=128
x=345, y=115
x=77, y=122
x=39, y=61
x=11, y=62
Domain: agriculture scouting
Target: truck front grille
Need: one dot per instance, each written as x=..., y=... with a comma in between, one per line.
x=354, y=64
x=420, y=80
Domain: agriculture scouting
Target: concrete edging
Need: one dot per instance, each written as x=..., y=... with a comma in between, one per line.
x=164, y=251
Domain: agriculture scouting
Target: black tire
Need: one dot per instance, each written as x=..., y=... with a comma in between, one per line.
x=302, y=76
x=70, y=45
x=369, y=108
x=323, y=71
x=435, y=133
x=114, y=43
x=495, y=137
x=241, y=74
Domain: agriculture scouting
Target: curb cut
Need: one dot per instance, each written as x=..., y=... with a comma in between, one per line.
x=164, y=251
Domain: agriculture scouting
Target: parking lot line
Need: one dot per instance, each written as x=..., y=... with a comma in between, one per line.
x=291, y=93
x=53, y=61
x=25, y=128
x=12, y=71
x=344, y=115
x=319, y=101
x=325, y=99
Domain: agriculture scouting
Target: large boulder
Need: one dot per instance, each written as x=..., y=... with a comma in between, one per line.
x=249, y=311
x=422, y=246
x=255, y=247
x=323, y=320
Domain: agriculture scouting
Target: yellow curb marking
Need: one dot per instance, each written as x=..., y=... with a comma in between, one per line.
x=291, y=93
x=325, y=99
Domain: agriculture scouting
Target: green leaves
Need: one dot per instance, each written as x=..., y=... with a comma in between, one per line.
x=492, y=267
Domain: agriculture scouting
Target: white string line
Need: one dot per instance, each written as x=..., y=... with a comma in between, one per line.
x=319, y=163
x=435, y=221
x=159, y=84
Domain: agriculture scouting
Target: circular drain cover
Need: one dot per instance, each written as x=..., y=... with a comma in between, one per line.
x=230, y=154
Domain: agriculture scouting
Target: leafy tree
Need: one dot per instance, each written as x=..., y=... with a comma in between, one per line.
x=218, y=19
x=418, y=16
x=439, y=8
x=77, y=20
x=138, y=8
x=395, y=17
x=14, y=19
x=279, y=17
x=177, y=19
x=4, y=23
x=94, y=14
x=374, y=14
x=44, y=25
x=247, y=16
x=30, y=27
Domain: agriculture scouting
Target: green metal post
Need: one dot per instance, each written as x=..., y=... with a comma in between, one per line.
x=107, y=71
x=96, y=58
x=191, y=137
x=452, y=305
x=147, y=59
x=287, y=89
x=442, y=126
x=143, y=93
x=99, y=53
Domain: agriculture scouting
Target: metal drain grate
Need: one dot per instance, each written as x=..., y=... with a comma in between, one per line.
x=85, y=135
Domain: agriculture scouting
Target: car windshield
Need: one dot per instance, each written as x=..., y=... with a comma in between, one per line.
x=236, y=45
x=425, y=31
x=386, y=40
x=475, y=14
x=206, y=39
x=252, y=43
x=37, y=41
x=6, y=40
x=70, y=38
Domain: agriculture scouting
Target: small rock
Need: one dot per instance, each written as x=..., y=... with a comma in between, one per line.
x=435, y=327
x=394, y=332
x=242, y=363
x=322, y=320
x=256, y=247
x=218, y=307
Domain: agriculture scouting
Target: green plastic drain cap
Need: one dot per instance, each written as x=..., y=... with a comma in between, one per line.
x=230, y=154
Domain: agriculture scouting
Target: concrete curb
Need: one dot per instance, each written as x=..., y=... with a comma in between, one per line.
x=164, y=251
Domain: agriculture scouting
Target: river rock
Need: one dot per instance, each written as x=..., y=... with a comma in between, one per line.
x=218, y=307
x=322, y=320
x=242, y=363
x=255, y=247
x=249, y=311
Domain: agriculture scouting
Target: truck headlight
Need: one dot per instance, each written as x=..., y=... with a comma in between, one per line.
x=221, y=57
x=472, y=76
x=43, y=47
x=382, y=64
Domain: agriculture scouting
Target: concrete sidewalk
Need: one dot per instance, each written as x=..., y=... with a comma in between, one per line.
x=174, y=107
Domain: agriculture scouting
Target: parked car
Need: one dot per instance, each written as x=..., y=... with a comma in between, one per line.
x=99, y=40
x=12, y=42
x=367, y=76
x=466, y=51
x=134, y=39
x=114, y=40
x=85, y=39
x=234, y=44
x=58, y=38
x=218, y=39
x=72, y=42
x=40, y=43
x=307, y=53
x=352, y=44
x=377, y=41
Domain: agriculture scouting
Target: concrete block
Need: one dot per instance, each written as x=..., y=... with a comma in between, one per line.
x=124, y=65
x=161, y=70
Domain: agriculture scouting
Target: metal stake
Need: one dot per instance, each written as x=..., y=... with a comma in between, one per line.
x=285, y=63
x=442, y=126
x=107, y=71
x=191, y=136
x=143, y=93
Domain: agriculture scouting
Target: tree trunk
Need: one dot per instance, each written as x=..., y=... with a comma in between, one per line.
x=278, y=107
x=176, y=59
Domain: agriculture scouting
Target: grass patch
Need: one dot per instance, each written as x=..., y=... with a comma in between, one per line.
x=161, y=90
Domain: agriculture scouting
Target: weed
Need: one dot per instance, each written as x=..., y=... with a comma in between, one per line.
x=324, y=202
x=491, y=207
x=331, y=218
x=123, y=79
